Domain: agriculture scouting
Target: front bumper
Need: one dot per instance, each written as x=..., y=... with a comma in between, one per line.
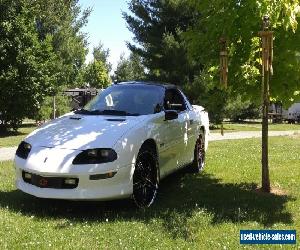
x=117, y=187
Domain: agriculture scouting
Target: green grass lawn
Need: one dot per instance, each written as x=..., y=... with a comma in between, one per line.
x=255, y=126
x=13, y=138
x=193, y=211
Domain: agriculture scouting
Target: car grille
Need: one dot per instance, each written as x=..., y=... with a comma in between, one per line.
x=50, y=182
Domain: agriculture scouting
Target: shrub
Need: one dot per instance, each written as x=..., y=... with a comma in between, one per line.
x=62, y=104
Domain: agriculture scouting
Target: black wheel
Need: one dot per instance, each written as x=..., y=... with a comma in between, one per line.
x=145, y=178
x=199, y=154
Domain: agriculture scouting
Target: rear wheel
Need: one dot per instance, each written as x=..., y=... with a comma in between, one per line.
x=145, y=178
x=199, y=154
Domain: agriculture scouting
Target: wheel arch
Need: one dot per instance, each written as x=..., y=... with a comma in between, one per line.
x=150, y=143
x=205, y=133
x=202, y=128
x=149, y=148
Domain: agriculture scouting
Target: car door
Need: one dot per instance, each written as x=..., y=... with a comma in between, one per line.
x=191, y=132
x=173, y=133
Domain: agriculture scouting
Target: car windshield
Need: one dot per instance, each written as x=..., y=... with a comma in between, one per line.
x=127, y=99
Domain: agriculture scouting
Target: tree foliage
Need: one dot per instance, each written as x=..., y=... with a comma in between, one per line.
x=96, y=74
x=63, y=20
x=45, y=112
x=239, y=22
x=41, y=48
x=202, y=91
x=157, y=27
x=102, y=54
x=26, y=67
x=129, y=69
x=238, y=110
x=179, y=43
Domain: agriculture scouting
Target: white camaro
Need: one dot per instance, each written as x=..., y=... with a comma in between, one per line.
x=120, y=145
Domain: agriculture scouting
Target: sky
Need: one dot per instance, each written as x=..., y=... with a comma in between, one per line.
x=106, y=24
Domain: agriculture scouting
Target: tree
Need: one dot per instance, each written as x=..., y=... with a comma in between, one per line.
x=239, y=22
x=102, y=54
x=27, y=68
x=237, y=109
x=129, y=69
x=123, y=71
x=157, y=27
x=45, y=112
x=63, y=20
x=96, y=74
x=41, y=48
x=203, y=91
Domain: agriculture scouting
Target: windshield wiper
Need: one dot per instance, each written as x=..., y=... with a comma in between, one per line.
x=105, y=112
x=118, y=112
x=82, y=111
x=88, y=112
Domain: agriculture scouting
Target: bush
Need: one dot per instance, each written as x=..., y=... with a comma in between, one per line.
x=204, y=91
x=62, y=104
x=238, y=110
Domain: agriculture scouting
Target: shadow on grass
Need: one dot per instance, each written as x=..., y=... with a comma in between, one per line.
x=181, y=196
x=10, y=133
x=226, y=123
x=5, y=133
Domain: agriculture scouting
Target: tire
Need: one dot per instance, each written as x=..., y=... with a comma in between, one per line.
x=199, y=154
x=145, y=178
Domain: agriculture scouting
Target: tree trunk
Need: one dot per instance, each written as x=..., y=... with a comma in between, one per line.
x=264, y=159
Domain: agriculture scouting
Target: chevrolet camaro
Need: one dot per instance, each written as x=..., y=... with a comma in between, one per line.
x=120, y=145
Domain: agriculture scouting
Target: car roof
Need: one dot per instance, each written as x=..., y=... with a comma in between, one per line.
x=138, y=83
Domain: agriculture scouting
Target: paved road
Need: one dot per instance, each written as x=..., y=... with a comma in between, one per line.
x=8, y=153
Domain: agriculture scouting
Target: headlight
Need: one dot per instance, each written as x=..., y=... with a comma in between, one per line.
x=95, y=156
x=23, y=150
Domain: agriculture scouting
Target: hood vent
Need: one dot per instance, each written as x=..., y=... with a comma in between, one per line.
x=116, y=120
x=75, y=118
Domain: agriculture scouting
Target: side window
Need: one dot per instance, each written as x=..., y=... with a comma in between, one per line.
x=174, y=100
x=187, y=102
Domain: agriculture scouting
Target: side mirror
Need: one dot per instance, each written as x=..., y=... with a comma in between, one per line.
x=171, y=115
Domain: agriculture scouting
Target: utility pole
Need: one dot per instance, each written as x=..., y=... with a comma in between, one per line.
x=223, y=68
x=267, y=70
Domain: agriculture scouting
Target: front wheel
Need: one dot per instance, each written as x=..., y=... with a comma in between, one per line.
x=145, y=179
x=199, y=154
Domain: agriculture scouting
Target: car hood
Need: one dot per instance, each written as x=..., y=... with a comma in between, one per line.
x=80, y=132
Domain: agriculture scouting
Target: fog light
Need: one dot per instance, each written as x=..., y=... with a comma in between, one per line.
x=110, y=174
x=70, y=181
x=27, y=176
x=102, y=176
